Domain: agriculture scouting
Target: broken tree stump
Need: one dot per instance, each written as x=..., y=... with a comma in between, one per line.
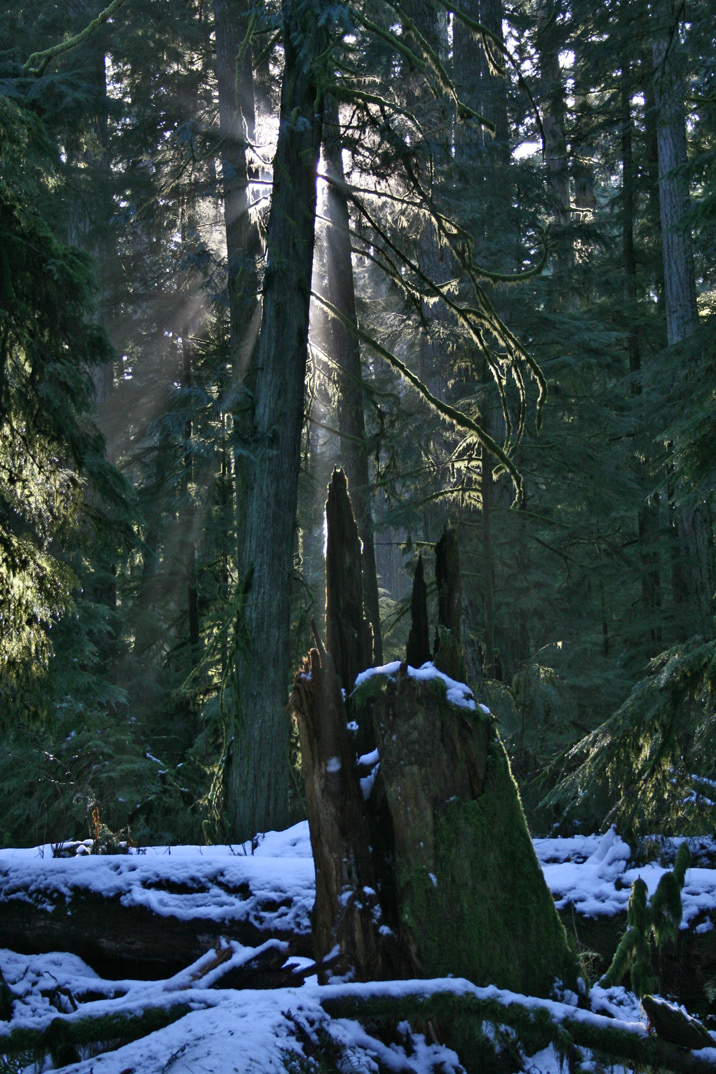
x=348, y=633
x=448, y=636
x=424, y=864
x=417, y=652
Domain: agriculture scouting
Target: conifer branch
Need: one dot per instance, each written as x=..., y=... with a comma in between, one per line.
x=392, y=39
x=46, y=56
x=485, y=35
x=456, y=417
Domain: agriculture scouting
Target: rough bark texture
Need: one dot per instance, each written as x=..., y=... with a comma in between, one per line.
x=346, y=914
x=348, y=636
x=258, y=778
x=418, y=648
x=348, y=378
x=345, y=909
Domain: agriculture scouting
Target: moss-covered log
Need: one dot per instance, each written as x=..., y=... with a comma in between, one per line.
x=465, y=1010
x=62, y=1035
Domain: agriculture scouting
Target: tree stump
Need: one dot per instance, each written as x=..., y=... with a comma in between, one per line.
x=424, y=864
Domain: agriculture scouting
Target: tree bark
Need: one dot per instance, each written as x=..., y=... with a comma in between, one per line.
x=258, y=779
x=694, y=577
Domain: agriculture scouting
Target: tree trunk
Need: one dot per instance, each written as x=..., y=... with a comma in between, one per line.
x=694, y=578
x=550, y=41
x=258, y=779
x=648, y=514
x=236, y=124
x=345, y=351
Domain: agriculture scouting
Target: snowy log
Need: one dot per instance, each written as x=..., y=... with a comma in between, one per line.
x=135, y=916
x=460, y=1009
x=62, y=1036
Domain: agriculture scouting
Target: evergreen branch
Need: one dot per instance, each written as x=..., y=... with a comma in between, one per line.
x=485, y=35
x=45, y=57
x=392, y=39
x=450, y=413
x=267, y=49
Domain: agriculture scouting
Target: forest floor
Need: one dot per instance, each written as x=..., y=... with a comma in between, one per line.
x=274, y=1030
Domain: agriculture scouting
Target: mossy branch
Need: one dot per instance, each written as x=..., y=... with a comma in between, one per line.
x=390, y=38
x=66, y=1032
x=38, y=61
x=450, y=413
x=488, y=38
x=626, y=1042
x=445, y=84
x=352, y=95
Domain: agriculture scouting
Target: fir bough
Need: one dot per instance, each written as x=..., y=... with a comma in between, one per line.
x=650, y=924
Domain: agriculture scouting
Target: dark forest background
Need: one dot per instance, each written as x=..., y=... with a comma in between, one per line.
x=512, y=333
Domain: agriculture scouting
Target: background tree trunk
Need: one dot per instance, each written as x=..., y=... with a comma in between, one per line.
x=694, y=577
x=258, y=779
x=345, y=351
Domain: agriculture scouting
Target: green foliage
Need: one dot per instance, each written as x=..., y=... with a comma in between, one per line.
x=649, y=767
x=51, y=452
x=53, y=777
x=649, y=925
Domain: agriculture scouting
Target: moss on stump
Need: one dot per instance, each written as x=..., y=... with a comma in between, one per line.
x=468, y=897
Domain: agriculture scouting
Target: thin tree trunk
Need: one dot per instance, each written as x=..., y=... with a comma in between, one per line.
x=345, y=351
x=258, y=777
x=648, y=515
x=694, y=577
x=236, y=124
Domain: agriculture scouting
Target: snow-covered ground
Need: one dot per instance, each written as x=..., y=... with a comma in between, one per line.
x=258, y=1031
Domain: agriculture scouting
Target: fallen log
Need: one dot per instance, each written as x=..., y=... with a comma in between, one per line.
x=462, y=1008
x=60, y=1037
x=118, y=939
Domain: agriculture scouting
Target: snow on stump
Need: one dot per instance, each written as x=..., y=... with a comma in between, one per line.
x=424, y=864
